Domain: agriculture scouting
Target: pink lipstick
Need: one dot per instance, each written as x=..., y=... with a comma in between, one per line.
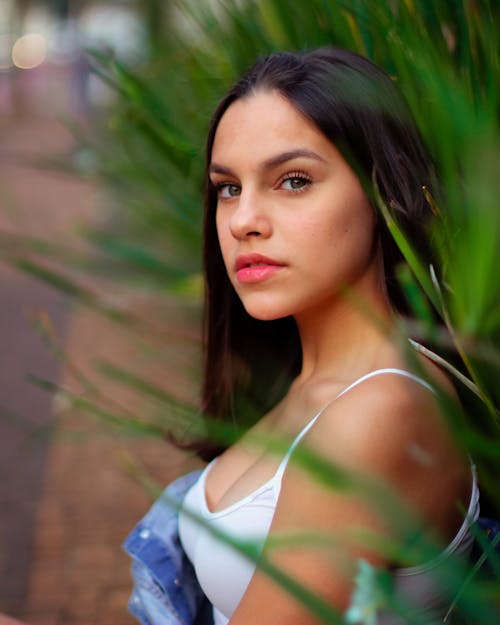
x=255, y=268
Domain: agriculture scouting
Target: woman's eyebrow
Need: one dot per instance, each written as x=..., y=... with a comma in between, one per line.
x=273, y=161
x=220, y=169
x=284, y=157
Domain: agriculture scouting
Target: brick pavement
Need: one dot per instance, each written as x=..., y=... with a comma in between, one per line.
x=32, y=202
x=80, y=574
x=86, y=503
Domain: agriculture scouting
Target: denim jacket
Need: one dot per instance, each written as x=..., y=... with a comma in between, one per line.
x=166, y=591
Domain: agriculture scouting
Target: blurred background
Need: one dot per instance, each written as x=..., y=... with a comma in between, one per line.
x=66, y=502
x=104, y=107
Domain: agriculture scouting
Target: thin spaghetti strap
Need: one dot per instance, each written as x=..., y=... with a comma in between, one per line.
x=402, y=372
x=298, y=438
x=308, y=426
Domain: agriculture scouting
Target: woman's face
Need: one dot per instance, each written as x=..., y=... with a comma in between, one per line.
x=294, y=224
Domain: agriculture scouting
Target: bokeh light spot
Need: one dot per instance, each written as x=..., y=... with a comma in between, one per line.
x=29, y=51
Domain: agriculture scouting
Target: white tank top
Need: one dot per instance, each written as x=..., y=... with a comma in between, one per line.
x=224, y=574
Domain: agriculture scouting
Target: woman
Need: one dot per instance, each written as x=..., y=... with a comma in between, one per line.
x=300, y=272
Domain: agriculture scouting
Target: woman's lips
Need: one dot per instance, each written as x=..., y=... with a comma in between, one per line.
x=255, y=268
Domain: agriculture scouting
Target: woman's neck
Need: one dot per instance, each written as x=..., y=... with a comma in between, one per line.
x=347, y=336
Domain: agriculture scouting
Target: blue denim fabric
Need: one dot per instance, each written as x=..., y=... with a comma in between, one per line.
x=490, y=529
x=166, y=591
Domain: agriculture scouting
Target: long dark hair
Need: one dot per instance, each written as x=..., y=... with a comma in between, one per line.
x=249, y=363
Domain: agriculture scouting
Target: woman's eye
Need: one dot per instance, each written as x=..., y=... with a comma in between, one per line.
x=227, y=190
x=295, y=183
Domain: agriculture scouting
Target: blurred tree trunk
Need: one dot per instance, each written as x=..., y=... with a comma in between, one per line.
x=154, y=13
x=17, y=19
x=61, y=8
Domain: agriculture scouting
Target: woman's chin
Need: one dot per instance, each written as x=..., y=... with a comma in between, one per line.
x=266, y=313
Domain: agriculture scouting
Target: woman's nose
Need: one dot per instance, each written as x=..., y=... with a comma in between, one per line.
x=250, y=218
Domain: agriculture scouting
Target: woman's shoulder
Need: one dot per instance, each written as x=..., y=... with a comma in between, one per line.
x=388, y=412
x=393, y=427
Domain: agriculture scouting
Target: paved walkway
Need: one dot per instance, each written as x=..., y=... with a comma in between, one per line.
x=6, y=620
x=66, y=501
x=89, y=503
x=31, y=203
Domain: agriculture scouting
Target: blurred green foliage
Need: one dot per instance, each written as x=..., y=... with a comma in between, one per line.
x=148, y=153
x=445, y=57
